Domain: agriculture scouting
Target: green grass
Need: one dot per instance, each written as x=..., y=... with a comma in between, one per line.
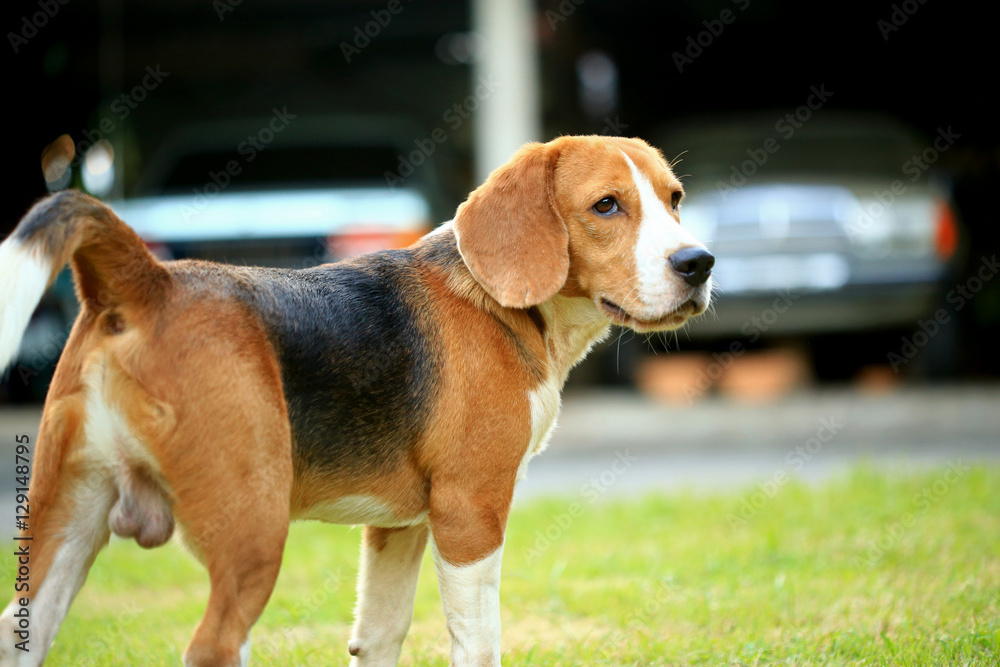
x=870, y=569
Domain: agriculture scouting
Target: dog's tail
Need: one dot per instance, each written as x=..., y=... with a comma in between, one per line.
x=111, y=264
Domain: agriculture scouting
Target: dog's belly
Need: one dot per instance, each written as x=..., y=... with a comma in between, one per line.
x=357, y=364
x=361, y=509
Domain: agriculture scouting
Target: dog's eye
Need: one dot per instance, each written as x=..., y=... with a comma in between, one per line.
x=606, y=206
x=675, y=199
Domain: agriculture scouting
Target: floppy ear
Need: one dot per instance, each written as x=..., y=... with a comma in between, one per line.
x=509, y=233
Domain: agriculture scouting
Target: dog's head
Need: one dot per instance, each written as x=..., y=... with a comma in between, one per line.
x=594, y=217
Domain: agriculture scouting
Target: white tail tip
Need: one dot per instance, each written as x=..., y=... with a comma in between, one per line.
x=24, y=275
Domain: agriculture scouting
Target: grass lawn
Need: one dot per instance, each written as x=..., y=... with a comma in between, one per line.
x=870, y=569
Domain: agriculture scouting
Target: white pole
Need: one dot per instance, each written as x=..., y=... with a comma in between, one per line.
x=505, y=74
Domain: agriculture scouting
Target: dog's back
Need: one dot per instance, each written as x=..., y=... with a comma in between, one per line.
x=355, y=345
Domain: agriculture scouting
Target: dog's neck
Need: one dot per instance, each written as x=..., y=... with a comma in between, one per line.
x=571, y=324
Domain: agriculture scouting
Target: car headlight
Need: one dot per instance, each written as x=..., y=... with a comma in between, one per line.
x=901, y=227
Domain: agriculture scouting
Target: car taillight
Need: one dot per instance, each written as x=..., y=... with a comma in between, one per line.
x=946, y=232
x=159, y=250
x=353, y=243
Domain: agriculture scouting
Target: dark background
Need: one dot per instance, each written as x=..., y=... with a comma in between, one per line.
x=937, y=70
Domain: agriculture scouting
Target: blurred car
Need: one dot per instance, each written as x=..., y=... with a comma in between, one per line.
x=315, y=190
x=834, y=224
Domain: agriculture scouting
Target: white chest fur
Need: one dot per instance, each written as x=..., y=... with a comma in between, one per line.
x=573, y=325
x=545, y=404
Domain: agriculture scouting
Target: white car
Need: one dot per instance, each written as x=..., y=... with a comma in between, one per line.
x=316, y=190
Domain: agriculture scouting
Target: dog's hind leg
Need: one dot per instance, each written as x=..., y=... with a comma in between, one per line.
x=242, y=575
x=387, y=583
x=229, y=469
x=236, y=524
x=69, y=499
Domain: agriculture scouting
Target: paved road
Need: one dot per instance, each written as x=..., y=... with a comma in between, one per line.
x=719, y=444
x=616, y=443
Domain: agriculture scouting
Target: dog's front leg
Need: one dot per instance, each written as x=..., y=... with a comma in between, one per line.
x=470, y=595
x=387, y=583
x=468, y=547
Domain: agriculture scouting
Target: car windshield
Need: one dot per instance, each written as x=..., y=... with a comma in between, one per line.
x=285, y=167
x=713, y=154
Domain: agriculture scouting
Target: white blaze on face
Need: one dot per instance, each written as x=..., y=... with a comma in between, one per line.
x=659, y=237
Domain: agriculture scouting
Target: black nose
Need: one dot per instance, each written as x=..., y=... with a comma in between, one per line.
x=693, y=264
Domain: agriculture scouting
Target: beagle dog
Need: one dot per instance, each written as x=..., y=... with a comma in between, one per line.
x=404, y=390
